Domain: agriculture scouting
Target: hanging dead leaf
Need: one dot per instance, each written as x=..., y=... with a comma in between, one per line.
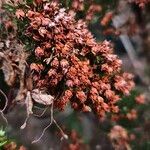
x=29, y=103
x=24, y=125
x=42, y=98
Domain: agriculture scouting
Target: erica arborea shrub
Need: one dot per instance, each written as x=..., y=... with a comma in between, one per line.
x=71, y=66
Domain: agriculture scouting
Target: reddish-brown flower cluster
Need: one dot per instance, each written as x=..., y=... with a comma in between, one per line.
x=78, y=5
x=76, y=143
x=141, y=3
x=13, y=146
x=94, y=8
x=107, y=18
x=71, y=65
x=119, y=137
x=124, y=83
x=132, y=115
x=20, y=13
x=140, y=99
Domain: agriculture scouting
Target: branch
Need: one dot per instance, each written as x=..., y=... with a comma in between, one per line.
x=52, y=120
x=41, y=113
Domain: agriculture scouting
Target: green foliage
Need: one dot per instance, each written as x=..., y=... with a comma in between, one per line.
x=128, y=102
x=73, y=122
x=21, y=34
x=3, y=138
x=9, y=8
x=29, y=2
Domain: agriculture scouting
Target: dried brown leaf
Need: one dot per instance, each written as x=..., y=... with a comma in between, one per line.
x=42, y=98
x=29, y=103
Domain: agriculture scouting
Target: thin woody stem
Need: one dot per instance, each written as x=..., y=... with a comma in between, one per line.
x=6, y=103
x=51, y=121
x=41, y=113
x=65, y=136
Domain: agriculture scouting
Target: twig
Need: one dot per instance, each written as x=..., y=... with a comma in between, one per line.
x=39, y=108
x=25, y=123
x=29, y=106
x=64, y=136
x=51, y=121
x=3, y=116
x=6, y=103
x=41, y=113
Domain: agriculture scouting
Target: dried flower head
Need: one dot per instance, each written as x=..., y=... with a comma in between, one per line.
x=20, y=13
x=119, y=137
x=140, y=99
x=72, y=65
